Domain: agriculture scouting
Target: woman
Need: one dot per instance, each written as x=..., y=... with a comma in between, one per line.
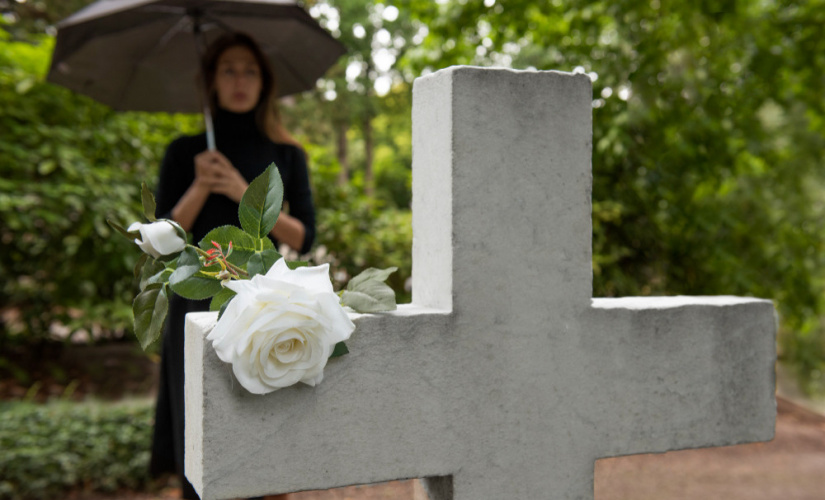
x=201, y=190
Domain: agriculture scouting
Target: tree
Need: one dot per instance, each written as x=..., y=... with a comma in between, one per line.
x=349, y=96
x=66, y=164
x=708, y=138
x=36, y=17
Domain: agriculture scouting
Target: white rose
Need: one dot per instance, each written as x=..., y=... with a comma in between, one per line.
x=281, y=327
x=162, y=237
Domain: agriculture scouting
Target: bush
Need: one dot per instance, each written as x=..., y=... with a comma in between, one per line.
x=49, y=449
x=66, y=164
x=359, y=231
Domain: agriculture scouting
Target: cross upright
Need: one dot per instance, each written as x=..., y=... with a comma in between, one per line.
x=504, y=378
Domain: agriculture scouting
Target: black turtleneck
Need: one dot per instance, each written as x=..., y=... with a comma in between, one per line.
x=237, y=137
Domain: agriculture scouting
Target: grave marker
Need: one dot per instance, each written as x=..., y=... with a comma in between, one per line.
x=503, y=378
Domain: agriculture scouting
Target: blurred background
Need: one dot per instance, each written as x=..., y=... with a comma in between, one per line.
x=708, y=179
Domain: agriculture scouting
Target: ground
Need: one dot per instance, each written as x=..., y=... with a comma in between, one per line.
x=107, y=371
x=790, y=467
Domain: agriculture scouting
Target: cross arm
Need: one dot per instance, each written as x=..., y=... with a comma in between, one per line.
x=240, y=444
x=682, y=372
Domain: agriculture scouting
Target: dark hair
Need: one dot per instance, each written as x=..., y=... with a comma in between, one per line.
x=267, y=115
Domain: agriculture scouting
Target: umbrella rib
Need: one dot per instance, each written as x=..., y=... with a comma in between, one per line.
x=164, y=8
x=218, y=22
x=178, y=27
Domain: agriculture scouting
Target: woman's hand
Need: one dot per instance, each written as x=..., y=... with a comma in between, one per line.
x=213, y=171
x=206, y=171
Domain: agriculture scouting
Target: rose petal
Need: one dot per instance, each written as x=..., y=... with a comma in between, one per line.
x=314, y=278
x=147, y=247
x=158, y=238
x=281, y=327
x=167, y=240
x=251, y=381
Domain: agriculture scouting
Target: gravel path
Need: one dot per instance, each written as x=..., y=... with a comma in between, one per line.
x=791, y=467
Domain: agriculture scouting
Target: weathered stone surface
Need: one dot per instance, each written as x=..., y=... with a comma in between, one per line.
x=503, y=379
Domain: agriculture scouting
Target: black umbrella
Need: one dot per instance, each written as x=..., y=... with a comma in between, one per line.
x=144, y=55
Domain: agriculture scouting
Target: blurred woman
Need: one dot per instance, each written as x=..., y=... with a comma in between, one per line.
x=201, y=190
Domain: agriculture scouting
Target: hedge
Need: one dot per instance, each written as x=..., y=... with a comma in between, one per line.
x=50, y=449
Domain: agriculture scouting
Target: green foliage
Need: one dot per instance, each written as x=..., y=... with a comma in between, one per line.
x=148, y=201
x=50, y=449
x=149, y=309
x=393, y=148
x=262, y=261
x=346, y=113
x=66, y=163
x=708, y=140
x=357, y=230
x=37, y=16
x=220, y=299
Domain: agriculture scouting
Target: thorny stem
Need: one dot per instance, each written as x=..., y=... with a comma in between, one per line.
x=236, y=269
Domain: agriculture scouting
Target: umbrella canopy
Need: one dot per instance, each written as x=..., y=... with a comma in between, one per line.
x=142, y=55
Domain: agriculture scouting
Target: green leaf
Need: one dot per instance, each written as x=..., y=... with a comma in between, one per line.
x=139, y=265
x=220, y=298
x=186, y=280
x=260, y=262
x=339, y=350
x=148, y=200
x=151, y=269
x=161, y=276
x=367, y=292
x=371, y=297
x=172, y=264
x=243, y=245
x=371, y=274
x=150, y=308
x=179, y=230
x=129, y=235
x=295, y=264
x=265, y=244
x=189, y=263
x=197, y=287
x=261, y=203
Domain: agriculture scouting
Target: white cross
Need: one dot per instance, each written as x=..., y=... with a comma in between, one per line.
x=503, y=379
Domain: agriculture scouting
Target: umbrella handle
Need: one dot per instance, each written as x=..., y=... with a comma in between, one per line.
x=200, y=45
x=210, y=129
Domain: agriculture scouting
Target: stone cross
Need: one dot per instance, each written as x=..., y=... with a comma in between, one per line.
x=504, y=378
